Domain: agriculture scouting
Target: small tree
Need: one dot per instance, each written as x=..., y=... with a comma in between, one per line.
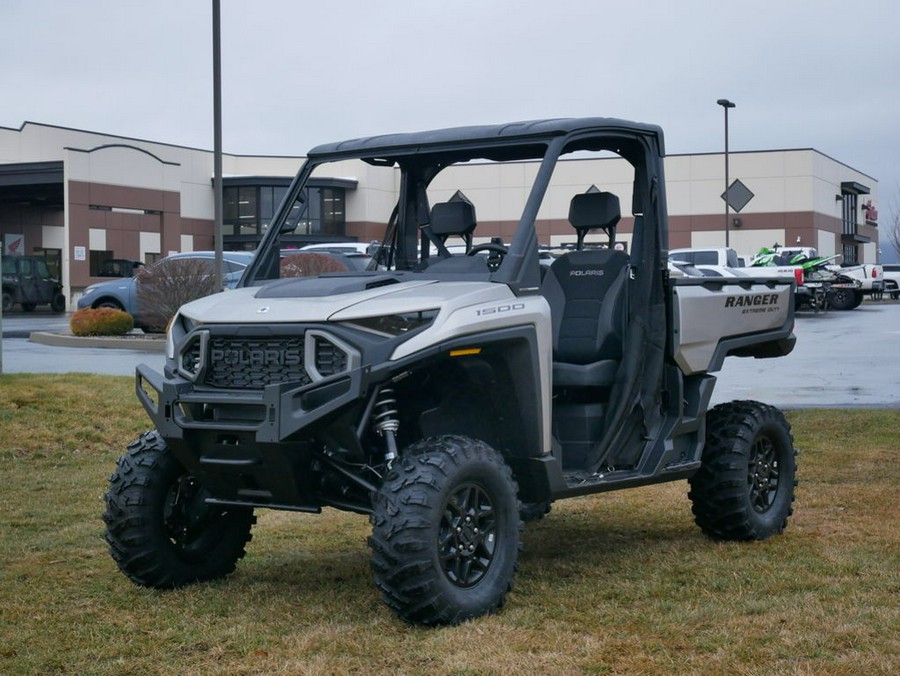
x=893, y=229
x=163, y=288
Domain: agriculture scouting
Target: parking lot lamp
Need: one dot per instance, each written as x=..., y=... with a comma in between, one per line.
x=726, y=104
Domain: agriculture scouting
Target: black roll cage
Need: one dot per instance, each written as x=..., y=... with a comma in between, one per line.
x=422, y=156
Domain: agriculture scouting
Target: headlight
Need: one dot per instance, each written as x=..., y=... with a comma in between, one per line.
x=395, y=325
x=88, y=291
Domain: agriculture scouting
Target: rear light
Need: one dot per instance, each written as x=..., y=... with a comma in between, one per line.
x=874, y=272
x=798, y=276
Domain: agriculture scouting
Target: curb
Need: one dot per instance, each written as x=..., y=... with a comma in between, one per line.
x=137, y=343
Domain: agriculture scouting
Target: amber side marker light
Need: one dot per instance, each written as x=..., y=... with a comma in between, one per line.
x=467, y=351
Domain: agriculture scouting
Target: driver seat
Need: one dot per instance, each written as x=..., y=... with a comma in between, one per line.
x=586, y=293
x=455, y=218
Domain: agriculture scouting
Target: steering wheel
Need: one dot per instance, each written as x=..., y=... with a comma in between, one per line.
x=488, y=246
x=497, y=253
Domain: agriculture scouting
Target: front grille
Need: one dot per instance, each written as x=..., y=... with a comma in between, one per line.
x=253, y=363
x=240, y=362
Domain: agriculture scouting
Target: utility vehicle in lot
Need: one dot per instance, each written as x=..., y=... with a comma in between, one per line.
x=27, y=281
x=450, y=397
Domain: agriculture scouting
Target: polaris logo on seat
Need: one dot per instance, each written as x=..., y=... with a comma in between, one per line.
x=585, y=273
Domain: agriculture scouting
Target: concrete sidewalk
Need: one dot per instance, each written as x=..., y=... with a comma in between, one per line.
x=132, y=341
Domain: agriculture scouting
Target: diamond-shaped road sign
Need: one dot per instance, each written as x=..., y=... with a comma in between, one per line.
x=737, y=195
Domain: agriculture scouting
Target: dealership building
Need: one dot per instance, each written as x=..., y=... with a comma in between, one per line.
x=81, y=198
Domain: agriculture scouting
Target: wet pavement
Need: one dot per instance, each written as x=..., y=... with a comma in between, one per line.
x=842, y=359
x=20, y=355
x=845, y=359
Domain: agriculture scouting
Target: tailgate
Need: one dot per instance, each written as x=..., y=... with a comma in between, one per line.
x=716, y=317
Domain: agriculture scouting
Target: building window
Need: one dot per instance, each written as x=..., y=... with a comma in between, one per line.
x=270, y=197
x=248, y=210
x=850, y=236
x=333, y=209
x=53, y=258
x=97, y=260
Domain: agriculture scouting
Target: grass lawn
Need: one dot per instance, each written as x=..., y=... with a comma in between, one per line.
x=617, y=583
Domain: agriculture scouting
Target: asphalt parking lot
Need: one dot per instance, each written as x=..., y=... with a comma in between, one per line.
x=845, y=359
x=842, y=359
x=20, y=355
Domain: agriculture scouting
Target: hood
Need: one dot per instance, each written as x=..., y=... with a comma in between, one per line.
x=284, y=301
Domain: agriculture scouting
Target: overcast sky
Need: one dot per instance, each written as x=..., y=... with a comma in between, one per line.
x=804, y=73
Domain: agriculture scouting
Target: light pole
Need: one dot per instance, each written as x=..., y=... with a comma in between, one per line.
x=726, y=104
x=217, y=144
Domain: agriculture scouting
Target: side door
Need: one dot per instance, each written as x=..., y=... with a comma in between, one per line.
x=29, y=291
x=45, y=284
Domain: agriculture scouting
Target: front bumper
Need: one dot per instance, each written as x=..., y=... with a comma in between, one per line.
x=274, y=413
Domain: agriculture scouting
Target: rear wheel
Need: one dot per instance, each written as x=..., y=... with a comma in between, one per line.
x=446, y=531
x=58, y=304
x=844, y=299
x=7, y=301
x=161, y=531
x=744, y=489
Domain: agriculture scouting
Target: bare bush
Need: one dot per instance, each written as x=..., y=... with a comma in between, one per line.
x=308, y=264
x=893, y=231
x=163, y=288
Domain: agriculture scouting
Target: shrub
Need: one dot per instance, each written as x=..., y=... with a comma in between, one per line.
x=162, y=289
x=101, y=321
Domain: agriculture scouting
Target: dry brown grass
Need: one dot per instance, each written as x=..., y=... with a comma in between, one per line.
x=617, y=583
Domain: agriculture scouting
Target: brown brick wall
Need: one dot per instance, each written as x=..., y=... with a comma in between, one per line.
x=122, y=229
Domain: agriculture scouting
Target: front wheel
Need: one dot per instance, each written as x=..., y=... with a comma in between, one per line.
x=58, y=304
x=744, y=489
x=446, y=531
x=161, y=531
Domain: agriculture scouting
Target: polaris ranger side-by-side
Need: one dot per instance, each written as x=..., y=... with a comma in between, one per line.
x=450, y=396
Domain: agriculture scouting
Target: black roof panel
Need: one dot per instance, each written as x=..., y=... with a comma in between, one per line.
x=534, y=130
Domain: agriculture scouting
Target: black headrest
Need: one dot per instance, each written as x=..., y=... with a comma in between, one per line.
x=591, y=210
x=453, y=218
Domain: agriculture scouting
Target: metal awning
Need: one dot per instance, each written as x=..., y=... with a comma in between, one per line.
x=39, y=183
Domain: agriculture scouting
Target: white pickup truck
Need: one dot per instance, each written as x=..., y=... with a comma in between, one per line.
x=843, y=296
x=835, y=286
x=891, y=272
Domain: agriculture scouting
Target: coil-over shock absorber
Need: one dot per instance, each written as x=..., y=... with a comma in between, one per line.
x=385, y=421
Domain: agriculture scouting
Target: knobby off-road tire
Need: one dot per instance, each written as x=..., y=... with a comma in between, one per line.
x=744, y=489
x=533, y=511
x=160, y=531
x=446, y=531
